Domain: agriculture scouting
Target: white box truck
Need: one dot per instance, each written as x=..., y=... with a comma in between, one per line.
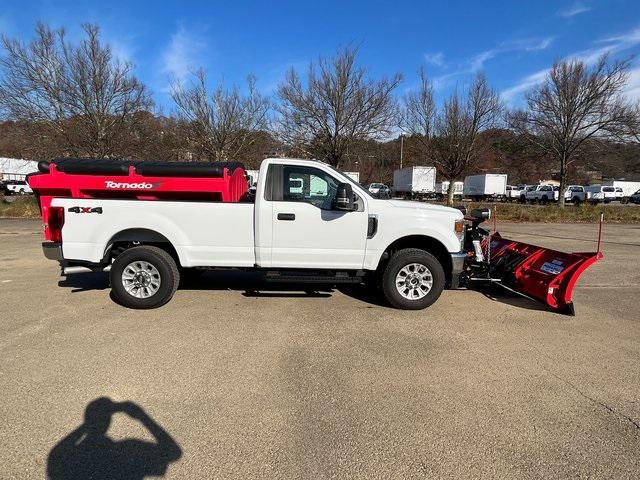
x=415, y=182
x=628, y=188
x=355, y=176
x=489, y=186
x=442, y=189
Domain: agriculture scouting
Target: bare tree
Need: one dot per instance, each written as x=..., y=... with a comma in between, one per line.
x=338, y=105
x=632, y=124
x=575, y=104
x=221, y=124
x=419, y=115
x=80, y=94
x=451, y=137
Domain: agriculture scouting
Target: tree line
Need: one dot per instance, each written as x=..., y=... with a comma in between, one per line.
x=60, y=98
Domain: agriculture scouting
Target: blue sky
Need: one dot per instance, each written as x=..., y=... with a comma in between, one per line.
x=513, y=42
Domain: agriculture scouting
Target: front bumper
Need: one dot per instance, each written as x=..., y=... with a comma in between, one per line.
x=457, y=267
x=52, y=250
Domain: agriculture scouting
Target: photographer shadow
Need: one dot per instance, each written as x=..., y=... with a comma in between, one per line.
x=88, y=452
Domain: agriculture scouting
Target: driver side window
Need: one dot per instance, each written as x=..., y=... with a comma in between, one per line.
x=309, y=185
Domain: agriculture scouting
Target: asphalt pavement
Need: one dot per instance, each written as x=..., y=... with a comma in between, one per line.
x=233, y=379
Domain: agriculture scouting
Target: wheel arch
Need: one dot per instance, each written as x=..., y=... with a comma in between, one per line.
x=424, y=242
x=126, y=238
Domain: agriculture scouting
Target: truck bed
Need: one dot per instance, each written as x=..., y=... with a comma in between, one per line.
x=200, y=231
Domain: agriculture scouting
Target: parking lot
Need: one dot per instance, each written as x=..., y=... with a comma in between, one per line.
x=237, y=379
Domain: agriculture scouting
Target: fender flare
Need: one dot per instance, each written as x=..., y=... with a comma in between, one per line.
x=140, y=234
x=433, y=245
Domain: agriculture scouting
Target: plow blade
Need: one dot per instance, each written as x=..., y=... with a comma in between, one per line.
x=539, y=273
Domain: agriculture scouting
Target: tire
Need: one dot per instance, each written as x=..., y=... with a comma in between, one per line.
x=165, y=269
x=404, y=259
x=576, y=200
x=544, y=200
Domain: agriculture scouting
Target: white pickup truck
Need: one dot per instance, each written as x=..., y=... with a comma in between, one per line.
x=575, y=194
x=542, y=194
x=307, y=223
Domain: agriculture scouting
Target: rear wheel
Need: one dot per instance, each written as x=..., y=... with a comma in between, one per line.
x=144, y=277
x=412, y=279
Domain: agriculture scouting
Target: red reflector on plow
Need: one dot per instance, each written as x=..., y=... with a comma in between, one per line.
x=541, y=273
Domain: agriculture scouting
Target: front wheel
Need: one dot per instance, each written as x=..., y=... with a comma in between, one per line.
x=144, y=277
x=412, y=279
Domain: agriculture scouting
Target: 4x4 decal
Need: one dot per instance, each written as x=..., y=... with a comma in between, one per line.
x=85, y=209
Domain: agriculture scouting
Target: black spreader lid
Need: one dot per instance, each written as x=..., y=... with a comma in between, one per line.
x=88, y=166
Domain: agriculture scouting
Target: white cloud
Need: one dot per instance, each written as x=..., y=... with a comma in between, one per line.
x=523, y=85
x=527, y=44
x=121, y=50
x=477, y=62
x=436, y=59
x=182, y=55
x=575, y=9
x=632, y=91
x=612, y=45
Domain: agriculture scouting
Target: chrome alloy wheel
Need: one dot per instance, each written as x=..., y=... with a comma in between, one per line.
x=414, y=281
x=141, y=279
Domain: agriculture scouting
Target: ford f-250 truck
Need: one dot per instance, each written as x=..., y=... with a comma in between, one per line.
x=148, y=222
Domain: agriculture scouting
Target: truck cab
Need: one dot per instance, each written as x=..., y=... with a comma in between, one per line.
x=307, y=222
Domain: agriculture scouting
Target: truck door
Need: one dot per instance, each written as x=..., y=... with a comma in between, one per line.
x=307, y=231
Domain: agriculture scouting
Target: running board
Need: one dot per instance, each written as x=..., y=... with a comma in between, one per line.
x=306, y=276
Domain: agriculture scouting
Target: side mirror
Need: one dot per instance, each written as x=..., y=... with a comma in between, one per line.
x=344, y=197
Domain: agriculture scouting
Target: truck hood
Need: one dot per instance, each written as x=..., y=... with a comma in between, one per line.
x=426, y=208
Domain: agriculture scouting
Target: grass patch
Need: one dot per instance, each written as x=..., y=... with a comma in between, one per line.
x=19, y=207
x=584, y=213
x=25, y=207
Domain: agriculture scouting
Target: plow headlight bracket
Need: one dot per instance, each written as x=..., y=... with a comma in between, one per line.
x=481, y=214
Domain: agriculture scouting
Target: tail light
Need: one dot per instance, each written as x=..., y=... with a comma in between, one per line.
x=54, y=225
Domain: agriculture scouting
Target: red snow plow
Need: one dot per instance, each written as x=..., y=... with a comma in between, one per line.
x=535, y=272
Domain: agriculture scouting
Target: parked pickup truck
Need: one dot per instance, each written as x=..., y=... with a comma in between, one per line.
x=516, y=192
x=17, y=187
x=542, y=194
x=148, y=222
x=575, y=194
